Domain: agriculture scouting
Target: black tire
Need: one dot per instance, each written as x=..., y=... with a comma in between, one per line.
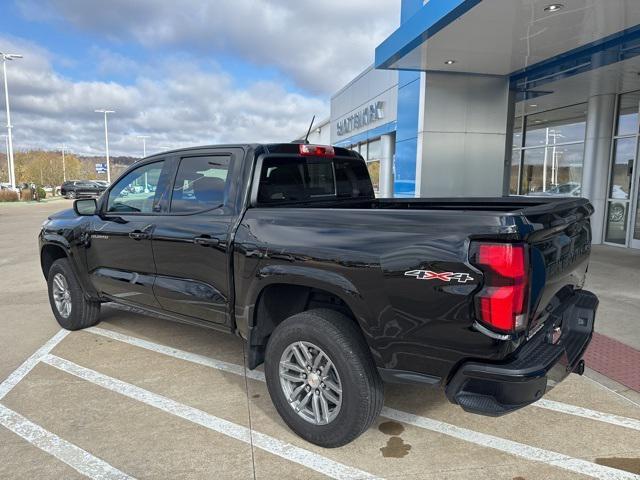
x=84, y=313
x=362, y=389
x=71, y=195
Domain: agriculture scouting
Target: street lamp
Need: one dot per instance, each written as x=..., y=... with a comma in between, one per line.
x=144, y=155
x=5, y=58
x=106, y=140
x=6, y=147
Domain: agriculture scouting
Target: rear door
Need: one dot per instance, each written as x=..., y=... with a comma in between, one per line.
x=119, y=256
x=191, y=243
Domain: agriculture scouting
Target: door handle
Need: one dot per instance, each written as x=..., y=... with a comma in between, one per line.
x=139, y=235
x=206, y=241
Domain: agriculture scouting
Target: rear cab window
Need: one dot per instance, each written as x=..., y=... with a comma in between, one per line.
x=291, y=179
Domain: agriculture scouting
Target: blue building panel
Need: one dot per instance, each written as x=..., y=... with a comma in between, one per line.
x=389, y=127
x=408, y=114
x=404, y=183
x=419, y=21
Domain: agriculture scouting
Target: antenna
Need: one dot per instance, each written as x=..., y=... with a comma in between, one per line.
x=306, y=138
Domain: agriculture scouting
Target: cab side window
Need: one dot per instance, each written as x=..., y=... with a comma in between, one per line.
x=201, y=184
x=138, y=191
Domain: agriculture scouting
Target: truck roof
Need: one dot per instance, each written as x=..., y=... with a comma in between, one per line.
x=284, y=148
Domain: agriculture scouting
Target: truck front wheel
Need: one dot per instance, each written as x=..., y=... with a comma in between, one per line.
x=321, y=377
x=71, y=309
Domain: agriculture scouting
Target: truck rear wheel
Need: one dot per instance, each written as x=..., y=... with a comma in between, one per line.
x=70, y=307
x=321, y=377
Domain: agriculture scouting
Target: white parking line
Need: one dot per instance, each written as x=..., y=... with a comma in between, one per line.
x=588, y=413
x=272, y=445
x=20, y=372
x=522, y=450
x=46, y=441
x=617, y=420
x=176, y=353
x=77, y=458
x=514, y=448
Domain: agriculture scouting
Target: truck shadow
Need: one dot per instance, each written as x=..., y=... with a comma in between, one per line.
x=417, y=399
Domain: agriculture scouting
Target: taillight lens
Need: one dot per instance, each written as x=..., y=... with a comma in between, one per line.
x=317, y=150
x=503, y=301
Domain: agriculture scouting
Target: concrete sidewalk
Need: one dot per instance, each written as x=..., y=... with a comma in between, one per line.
x=614, y=354
x=614, y=275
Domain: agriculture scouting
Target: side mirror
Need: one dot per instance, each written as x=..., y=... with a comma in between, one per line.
x=85, y=206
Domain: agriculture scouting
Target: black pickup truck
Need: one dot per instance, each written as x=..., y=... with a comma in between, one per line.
x=333, y=290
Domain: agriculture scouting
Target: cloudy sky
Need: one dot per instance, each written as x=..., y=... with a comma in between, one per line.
x=183, y=72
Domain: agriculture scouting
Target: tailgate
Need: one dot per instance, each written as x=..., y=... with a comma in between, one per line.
x=560, y=245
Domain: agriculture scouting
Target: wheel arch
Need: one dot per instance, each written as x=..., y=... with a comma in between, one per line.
x=49, y=253
x=304, y=289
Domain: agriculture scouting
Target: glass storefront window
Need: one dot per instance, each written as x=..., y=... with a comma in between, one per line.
x=374, y=173
x=371, y=151
x=532, y=171
x=636, y=230
x=375, y=150
x=374, y=155
x=551, y=160
x=617, y=213
x=553, y=170
x=515, y=172
x=517, y=132
x=624, y=153
x=363, y=150
x=628, y=114
x=563, y=125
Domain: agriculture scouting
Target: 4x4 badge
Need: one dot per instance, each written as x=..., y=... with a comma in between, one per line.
x=444, y=276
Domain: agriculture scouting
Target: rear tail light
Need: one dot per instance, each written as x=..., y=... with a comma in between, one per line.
x=502, y=304
x=317, y=150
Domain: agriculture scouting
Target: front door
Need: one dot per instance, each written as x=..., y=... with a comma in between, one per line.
x=622, y=227
x=635, y=217
x=119, y=255
x=191, y=243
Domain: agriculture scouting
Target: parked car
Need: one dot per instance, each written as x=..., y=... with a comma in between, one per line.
x=570, y=189
x=81, y=188
x=333, y=290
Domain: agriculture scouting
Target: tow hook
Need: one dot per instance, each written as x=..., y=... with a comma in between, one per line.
x=579, y=368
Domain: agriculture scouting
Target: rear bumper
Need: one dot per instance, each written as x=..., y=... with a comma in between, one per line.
x=497, y=389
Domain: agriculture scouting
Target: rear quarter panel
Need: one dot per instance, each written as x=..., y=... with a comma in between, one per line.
x=362, y=256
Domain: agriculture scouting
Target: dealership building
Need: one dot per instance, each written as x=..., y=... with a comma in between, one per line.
x=493, y=97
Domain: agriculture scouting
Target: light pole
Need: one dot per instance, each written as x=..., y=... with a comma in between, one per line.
x=106, y=140
x=144, y=144
x=144, y=155
x=6, y=148
x=5, y=58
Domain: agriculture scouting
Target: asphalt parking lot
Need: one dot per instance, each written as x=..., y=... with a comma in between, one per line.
x=143, y=397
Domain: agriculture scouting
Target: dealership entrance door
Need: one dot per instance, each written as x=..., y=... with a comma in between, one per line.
x=623, y=204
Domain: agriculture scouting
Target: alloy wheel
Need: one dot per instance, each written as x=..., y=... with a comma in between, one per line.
x=310, y=382
x=62, y=295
